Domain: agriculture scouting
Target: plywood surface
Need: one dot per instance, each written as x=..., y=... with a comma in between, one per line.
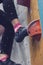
x=36, y=48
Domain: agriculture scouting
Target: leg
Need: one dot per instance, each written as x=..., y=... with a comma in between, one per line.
x=7, y=41
x=20, y=32
x=1, y=1
x=8, y=36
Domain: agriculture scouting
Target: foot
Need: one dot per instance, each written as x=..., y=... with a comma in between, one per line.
x=21, y=34
x=1, y=63
x=9, y=62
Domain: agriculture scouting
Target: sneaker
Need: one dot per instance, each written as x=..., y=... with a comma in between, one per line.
x=21, y=34
x=1, y=63
x=9, y=62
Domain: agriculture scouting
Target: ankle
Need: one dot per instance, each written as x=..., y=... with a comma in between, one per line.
x=3, y=57
x=16, y=25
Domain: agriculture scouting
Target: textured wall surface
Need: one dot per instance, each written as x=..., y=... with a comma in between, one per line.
x=37, y=47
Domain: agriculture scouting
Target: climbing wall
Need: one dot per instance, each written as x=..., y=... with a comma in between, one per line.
x=36, y=48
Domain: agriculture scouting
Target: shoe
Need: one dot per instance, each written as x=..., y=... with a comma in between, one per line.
x=21, y=34
x=9, y=62
x=1, y=63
